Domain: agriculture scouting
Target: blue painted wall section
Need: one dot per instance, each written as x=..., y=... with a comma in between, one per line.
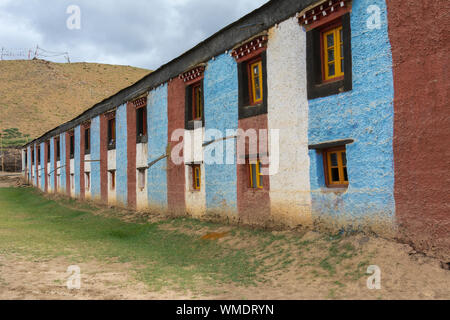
x=95, y=155
x=364, y=114
x=157, y=143
x=35, y=166
x=52, y=172
x=221, y=113
x=77, y=160
x=43, y=164
x=121, y=155
x=62, y=144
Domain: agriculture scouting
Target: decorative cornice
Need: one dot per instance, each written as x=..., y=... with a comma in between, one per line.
x=193, y=74
x=250, y=47
x=322, y=10
x=140, y=102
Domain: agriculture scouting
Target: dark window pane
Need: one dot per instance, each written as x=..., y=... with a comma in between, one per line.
x=335, y=174
x=331, y=70
x=330, y=40
x=330, y=55
x=345, y=174
x=334, y=159
x=253, y=167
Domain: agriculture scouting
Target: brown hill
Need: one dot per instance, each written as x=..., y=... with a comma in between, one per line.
x=37, y=95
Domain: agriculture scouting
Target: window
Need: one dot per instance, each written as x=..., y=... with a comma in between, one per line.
x=336, y=167
x=333, y=54
x=255, y=175
x=58, y=150
x=141, y=124
x=255, y=81
x=112, y=133
x=253, y=86
x=48, y=151
x=328, y=57
x=72, y=145
x=26, y=158
x=39, y=155
x=196, y=177
x=87, y=180
x=32, y=156
x=194, y=104
x=197, y=102
x=87, y=140
x=141, y=178
x=112, y=180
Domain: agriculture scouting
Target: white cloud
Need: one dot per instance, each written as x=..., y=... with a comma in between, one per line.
x=141, y=33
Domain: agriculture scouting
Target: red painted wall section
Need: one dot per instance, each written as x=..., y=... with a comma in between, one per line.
x=419, y=36
x=82, y=151
x=104, y=158
x=131, y=155
x=55, y=156
x=67, y=167
x=46, y=155
x=253, y=204
x=175, y=172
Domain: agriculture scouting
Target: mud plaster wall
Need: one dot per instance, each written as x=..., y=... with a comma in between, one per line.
x=121, y=158
x=62, y=156
x=157, y=143
x=364, y=114
x=141, y=161
x=42, y=168
x=193, y=152
x=52, y=165
x=175, y=172
x=77, y=171
x=290, y=198
x=419, y=35
x=221, y=113
x=253, y=204
x=95, y=155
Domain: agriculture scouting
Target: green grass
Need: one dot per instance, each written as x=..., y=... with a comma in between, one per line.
x=33, y=225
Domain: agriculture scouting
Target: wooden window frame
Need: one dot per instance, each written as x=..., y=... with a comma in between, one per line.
x=251, y=81
x=111, y=133
x=259, y=185
x=47, y=145
x=139, y=172
x=71, y=146
x=337, y=28
x=196, y=175
x=327, y=168
x=112, y=177
x=141, y=137
x=38, y=152
x=32, y=157
x=87, y=140
x=197, y=101
x=87, y=179
x=58, y=149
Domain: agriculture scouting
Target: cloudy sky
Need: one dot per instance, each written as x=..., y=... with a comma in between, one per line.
x=141, y=33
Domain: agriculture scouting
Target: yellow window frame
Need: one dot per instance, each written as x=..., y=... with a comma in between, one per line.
x=338, y=54
x=258, y=181
x=253, y=81
x=340, y=166
x=197, y=174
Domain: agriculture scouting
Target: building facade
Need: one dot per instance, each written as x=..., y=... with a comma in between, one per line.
x=300, y=113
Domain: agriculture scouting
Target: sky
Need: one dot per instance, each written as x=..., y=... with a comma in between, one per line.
x=140, y=33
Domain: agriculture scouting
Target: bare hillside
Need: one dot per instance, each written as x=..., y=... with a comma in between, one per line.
x=37, y=95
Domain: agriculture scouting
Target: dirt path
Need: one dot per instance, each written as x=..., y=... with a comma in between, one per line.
x=403, y=276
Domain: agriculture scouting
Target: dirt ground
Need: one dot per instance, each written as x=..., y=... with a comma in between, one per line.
x=405, y=273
